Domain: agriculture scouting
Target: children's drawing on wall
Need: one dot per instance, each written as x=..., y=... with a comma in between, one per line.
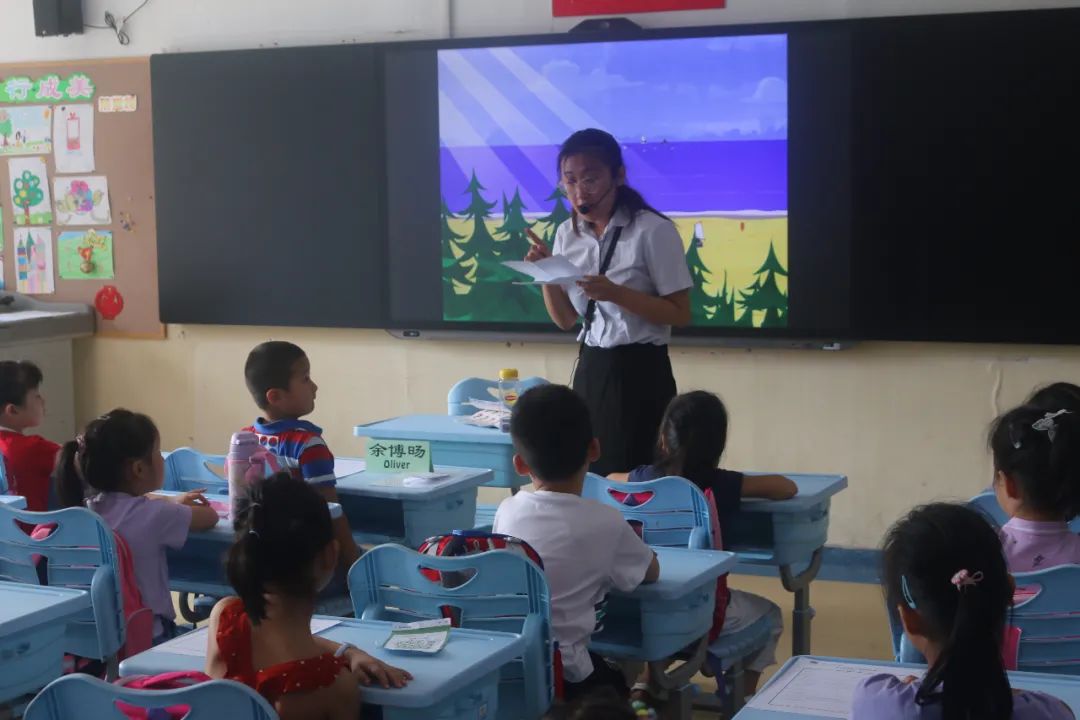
x=73, y=138
x=26, y=130
x=29, y=186
x=82, y=200
x=85, y=255
x=34, y=261
x=1, y=248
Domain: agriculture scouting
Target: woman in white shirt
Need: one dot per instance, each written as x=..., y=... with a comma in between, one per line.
x=636, y=287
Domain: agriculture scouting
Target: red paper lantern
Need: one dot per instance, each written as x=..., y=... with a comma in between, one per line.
x=571, y=8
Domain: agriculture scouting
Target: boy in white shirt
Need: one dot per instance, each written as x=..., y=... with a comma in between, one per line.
x=587, y=548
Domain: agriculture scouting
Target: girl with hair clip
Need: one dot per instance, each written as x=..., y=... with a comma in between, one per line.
x=943, y=570
x=1037, y=483
x=284, y=554
x=1056, y=396
x=113, y=468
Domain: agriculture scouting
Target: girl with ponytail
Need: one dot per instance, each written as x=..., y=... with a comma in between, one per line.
x=944, y=572
x=283, y=555
x=113, y=468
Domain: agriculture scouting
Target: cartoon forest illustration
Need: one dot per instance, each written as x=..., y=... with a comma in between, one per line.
x=709, y=151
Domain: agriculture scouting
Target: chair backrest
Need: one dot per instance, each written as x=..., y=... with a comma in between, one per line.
x=673, y=511
x=457, y=400
x=987, y=505
x=188, y=469
x=506, y=593
x=4, y=487
x=1047, y=612
x=82, y=696
x=79, y=553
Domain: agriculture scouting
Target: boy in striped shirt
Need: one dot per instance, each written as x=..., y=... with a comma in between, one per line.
x=278, y=375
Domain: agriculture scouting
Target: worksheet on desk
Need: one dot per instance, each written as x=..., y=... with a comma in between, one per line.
x=821, y=688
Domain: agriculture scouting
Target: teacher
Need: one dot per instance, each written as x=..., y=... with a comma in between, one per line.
x=636, y=287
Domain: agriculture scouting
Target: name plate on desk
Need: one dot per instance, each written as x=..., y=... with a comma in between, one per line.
x=395, y=456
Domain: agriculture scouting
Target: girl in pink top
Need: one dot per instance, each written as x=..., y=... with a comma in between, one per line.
x=1037, y=483
x=113, y=467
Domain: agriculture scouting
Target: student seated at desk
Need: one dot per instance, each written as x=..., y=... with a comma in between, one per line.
x=1037, y=483
x=278, y=376
x=693, y=435
x=28, y=459
x=284, y=554
x=587, y=548
x=944, y=571
x=118, y=458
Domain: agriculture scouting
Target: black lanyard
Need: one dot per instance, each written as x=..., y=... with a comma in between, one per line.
x=590, y=308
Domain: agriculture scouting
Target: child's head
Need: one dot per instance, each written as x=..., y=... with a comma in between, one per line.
x=118, y=452
x=943, y=569
x=693, y=434
x=21, y=404
x=284, y=544
x=1056, y=396
x=278, y=376
x=552, y=434
x=1037, y=462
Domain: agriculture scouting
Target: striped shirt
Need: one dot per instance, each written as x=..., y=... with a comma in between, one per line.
x=300, y=447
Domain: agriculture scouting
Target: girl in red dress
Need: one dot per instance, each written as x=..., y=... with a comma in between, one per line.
x=284, y=554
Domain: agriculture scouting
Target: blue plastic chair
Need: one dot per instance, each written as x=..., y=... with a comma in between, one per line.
x=507, y=593
x=188, y=469
x=82, y=696
x=457, y=400
x=81, y=554
x=1048, y=615
x=676, y=513
x=987, y=505
x=4, y=487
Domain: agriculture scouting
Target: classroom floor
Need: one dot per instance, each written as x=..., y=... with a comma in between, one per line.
x=850, y=622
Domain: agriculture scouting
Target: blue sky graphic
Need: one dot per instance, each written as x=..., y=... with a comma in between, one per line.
x=703, y=121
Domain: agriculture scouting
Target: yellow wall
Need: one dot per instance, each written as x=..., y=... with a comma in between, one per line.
x=906, y=423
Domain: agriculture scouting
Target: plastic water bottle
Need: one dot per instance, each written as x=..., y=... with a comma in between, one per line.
x=508, y=393
x=508, y=387
x=243, y=464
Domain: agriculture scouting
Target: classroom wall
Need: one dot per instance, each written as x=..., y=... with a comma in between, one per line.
x=905, y=422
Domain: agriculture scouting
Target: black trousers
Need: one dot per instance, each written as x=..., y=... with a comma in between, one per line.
x=604, y=678
x=627, y=389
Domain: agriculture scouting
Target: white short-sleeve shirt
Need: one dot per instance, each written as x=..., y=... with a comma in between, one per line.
x=649, y=257
x=587, y=549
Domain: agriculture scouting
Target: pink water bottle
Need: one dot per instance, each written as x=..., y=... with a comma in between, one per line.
x=243, y=465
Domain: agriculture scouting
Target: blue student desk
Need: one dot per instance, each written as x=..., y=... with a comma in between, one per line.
x=454, y=442
x=460, y=681
x=786, y=534
x=18, y=502
x=33, y=621
x=387, y=507
x=199, y=566
x=1063, y=687
x=659, y=620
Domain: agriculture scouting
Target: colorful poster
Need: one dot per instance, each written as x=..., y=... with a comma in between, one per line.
x=50, y=88
x=565, y=8
x=34, y=261
x=26, y=130
x=85, y=255
x=29, y=186
x=82, y=200
x=73, y=138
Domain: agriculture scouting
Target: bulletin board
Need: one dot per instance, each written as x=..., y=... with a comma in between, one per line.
x=86, y=232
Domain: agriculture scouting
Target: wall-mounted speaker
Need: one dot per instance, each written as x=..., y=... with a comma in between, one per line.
x=57, y=17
